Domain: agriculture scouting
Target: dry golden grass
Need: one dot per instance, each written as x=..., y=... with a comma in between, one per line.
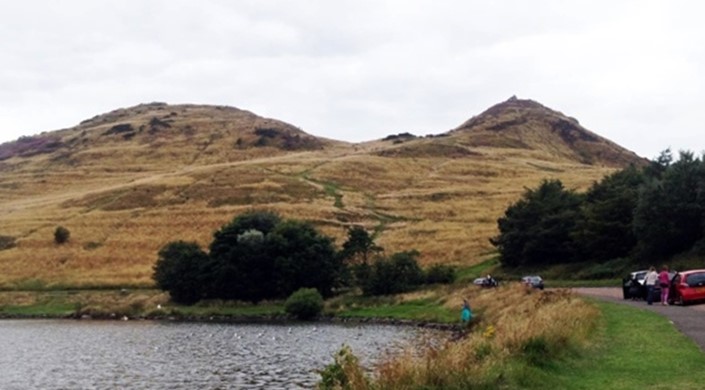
x=514, y=323
x=123, y=199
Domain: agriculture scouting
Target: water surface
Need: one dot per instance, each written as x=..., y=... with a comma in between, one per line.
x=65, y=354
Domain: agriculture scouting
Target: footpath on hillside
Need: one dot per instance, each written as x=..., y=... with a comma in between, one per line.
x=688, y=319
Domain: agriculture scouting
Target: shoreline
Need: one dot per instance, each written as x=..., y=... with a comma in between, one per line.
x=275, y=319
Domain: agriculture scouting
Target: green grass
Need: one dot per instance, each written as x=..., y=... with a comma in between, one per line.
x=637, y=349
x=467, y=274
x=47, y=309
x=418, y=310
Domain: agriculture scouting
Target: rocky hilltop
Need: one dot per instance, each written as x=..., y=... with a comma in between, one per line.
x=526, y=124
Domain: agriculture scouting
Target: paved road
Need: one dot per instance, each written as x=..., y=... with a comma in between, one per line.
x=689, y=319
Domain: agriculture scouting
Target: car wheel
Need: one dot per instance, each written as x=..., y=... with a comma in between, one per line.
x=679, y=300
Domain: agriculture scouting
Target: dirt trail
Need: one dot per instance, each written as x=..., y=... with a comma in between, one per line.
x=688, y=319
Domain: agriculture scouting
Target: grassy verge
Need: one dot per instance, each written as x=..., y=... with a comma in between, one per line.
x=637, y=349
x=538, y=340
x=467, y=274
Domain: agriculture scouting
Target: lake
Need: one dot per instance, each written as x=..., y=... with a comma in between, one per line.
x=69, y=354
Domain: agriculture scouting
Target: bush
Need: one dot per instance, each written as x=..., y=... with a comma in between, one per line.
x=7, y=242
x=344, y=373
x=440, y=273
x=61, y=235
x=304, y=303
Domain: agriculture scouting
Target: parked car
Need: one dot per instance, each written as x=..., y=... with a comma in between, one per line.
x=487, y=281
x=633, y=285
x=534, y=281
x=687, y=287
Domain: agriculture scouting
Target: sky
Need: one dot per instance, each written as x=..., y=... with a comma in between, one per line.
x=358, y=70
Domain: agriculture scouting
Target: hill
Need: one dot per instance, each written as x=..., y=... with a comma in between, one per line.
x=127, y=182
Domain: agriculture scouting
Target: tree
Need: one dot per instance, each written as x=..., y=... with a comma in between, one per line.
x=227, y=236
x=537, y=229
x=260, y=256
x=399, y=273
x=359, y=246
x=61, y=235
x=669, y=215
x=303, y=258
x=178, y=270
x=605, y=230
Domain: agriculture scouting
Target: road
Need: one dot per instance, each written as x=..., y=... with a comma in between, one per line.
x=688, y=319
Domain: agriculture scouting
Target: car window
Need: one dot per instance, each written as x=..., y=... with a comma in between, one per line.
x=696, y=280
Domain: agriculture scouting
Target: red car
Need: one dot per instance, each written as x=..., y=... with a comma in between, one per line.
x=688, y=286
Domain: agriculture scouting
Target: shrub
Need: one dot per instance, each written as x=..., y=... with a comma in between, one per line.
x=344, y=373
x=7, y=242
x=304, y=303
x=440, y=273
x=61, y=235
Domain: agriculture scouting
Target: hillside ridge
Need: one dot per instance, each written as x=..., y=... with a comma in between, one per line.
x=128, y=181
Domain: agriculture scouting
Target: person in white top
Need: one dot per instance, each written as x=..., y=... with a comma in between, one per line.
x=649, y=282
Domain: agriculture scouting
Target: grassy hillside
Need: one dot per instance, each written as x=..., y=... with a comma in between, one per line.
x=127, y=182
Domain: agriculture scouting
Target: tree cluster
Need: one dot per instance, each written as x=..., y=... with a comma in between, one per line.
x=644, y=214
x=260, y=256
x=257, y=256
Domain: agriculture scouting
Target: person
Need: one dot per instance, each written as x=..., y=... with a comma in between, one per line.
x=466, y=313
x=664, y=280
x=634, y=288
x=490, y=281
x=650, y=281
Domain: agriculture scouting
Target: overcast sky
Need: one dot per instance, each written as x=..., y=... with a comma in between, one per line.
x=631, y=71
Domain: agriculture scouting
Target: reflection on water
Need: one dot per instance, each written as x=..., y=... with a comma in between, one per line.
x=54, y=354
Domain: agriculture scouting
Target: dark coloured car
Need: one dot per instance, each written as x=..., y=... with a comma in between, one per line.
x=687, y=287
x=633, y=285
x=534, y=281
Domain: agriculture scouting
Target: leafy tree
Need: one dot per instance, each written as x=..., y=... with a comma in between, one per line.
x=260, y=256
x=178, y=271
x=302, y=258
x=399, y=273
x=225, y=238
x=238, y=267
x=61, y=235
x=359, y=246
x=536, y=230
x=605, y=230
x=669, y=215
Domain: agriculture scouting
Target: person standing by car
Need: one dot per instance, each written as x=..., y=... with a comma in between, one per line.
x=649, y=282
x=664, y=280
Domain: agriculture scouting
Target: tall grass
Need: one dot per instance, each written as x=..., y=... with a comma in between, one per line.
x=516, y=332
